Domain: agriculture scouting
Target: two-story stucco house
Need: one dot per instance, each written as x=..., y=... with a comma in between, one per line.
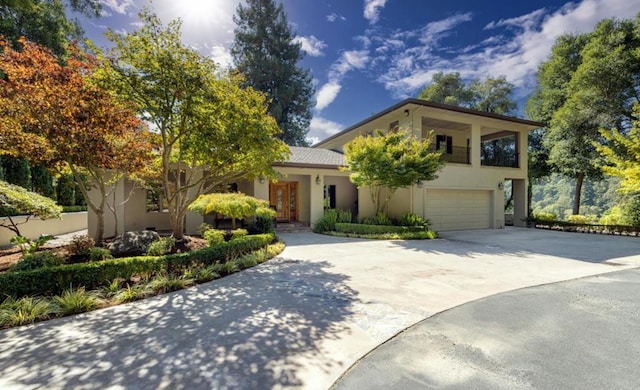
x=482, y=151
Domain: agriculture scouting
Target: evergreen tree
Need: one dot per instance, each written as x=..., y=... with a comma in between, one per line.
x=42, y=181
x=16, y=171
x=264, y=52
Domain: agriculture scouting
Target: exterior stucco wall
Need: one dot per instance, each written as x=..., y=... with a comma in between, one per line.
x=69, y=223
x=346, y=193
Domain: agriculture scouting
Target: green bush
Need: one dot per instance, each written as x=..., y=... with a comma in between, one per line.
x=344, y=216
x=263, y=224
x=26, y=310
x=238, y=233
x=631, y=211
x=73, y=209
x=130, y=294
x=375, y=229
x=411, y=219
x=327, y=222
x=65, y=190
x=214, y=236
x=81, y=245
x=161, y=247
x=99, y=254
x=613, y=216
x=37, y=260
x=544, y=216
x=579, y=219
x=28, y=246
x=168, y=283
x=54, y=280
x=73, y=301
x=379, y=219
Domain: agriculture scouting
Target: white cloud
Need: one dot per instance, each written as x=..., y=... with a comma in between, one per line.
x=321, y=128
x=311, y=45
x=349, y=60
x=335, y=17
x=119, y=6
x=222, y=56
x=519, y=46
x=327, y=94
x=433, y=32
x=372, y=10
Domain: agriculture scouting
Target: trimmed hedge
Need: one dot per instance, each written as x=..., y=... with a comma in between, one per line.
x=54, y=280
x=358, y=228
x=586, y=228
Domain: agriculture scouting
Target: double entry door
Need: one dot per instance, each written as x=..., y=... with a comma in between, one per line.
x=284, y=196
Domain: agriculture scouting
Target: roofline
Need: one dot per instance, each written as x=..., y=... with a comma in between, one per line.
x=307, y=165
x=426, y=103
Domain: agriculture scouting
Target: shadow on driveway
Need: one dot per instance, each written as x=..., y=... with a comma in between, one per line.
x=238, y=332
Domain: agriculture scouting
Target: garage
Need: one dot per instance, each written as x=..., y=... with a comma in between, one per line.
x=458, y=209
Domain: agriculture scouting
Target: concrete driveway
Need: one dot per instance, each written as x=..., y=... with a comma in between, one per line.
x=298, y=321
x=578, y=334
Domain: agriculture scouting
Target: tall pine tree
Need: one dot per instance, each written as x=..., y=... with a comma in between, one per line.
x=264, y=52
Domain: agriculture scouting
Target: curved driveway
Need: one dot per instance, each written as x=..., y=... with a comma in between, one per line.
x=298, y=321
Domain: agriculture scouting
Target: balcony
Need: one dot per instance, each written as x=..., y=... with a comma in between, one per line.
x=458, y=155
x=507, y=159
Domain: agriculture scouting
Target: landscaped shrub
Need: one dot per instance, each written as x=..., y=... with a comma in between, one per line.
x=65, y=190
x=54, y=280
x=344, y=216
x=579, y=219
x=30, y=246
x=411, y=219
x=26, y=310
x=613, y=216
x=214, y=236
x=263, y=224
x=327, y=222
x=73, y=301
x=99, y=254
x=374, y=229
x=379, y=219
x=37, y=260
x=168, y=283
x=81, y=245
x=237, y=233
x=544, y=216
x=132, y=293
x=73, y=209
x=161, y=247
x=631, y=210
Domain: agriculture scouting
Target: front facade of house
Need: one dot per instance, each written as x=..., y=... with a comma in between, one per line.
x=483, y=152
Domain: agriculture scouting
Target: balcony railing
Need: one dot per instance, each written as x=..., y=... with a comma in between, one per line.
x=458, y=155
x=504, y=159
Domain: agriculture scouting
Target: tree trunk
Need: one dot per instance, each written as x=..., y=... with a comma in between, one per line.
x=577, y=195
x=100, y=227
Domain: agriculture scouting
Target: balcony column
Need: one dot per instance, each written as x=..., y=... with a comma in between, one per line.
x=476, y=137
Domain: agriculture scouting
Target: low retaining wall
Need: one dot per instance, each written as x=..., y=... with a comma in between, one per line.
x=70, y=222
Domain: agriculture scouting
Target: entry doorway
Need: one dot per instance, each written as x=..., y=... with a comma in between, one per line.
x=284, y=197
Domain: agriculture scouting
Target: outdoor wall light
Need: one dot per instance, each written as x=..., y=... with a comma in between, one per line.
x=500, y=185
x=406, y=112
x=318, y=179
x=261, y=179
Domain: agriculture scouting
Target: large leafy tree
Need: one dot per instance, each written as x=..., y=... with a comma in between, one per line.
x=44, y=21
x=56, y=115
x=264, y=52
x=211, y=130
x=492, y=94
x=589, y=82
x=623, y=154
x=390, y=161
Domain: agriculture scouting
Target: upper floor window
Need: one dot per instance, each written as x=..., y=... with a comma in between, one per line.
x=444, y=144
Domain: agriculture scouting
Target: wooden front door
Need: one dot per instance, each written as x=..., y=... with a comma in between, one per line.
x=284, y=196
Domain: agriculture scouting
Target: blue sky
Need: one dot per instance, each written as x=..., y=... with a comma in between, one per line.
x=365, y=55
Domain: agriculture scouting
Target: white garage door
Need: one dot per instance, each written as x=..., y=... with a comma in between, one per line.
x=458, y=209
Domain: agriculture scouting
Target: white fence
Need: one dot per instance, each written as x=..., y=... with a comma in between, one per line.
x=70, y=222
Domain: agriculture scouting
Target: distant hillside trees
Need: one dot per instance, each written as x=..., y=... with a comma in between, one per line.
x=590, y=81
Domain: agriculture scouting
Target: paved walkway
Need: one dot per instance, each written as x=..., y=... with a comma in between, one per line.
x=579, y=334
x=298, y=321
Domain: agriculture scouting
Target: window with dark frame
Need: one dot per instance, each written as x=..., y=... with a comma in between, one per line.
x=444, y=143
